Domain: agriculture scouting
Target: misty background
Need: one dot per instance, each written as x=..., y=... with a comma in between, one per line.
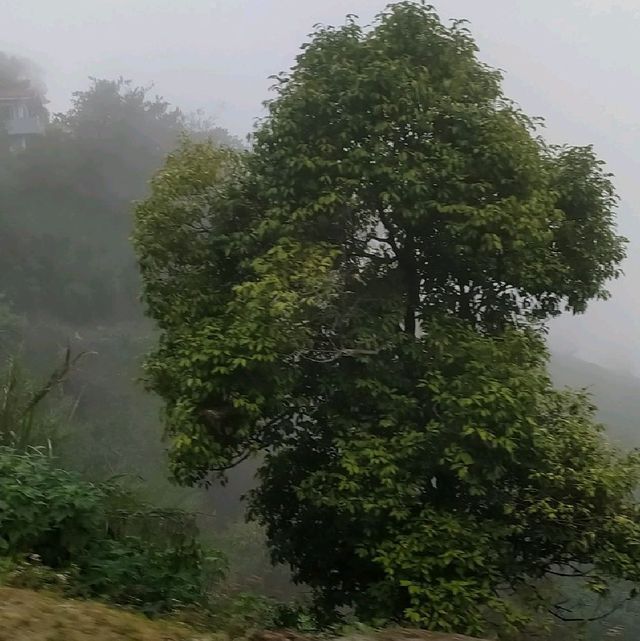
x=573, y=62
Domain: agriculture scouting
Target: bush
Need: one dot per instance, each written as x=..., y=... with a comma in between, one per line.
x=45, y=510
x=60, y=531
x=154, y=579
x=28, y=572
x=238, y=612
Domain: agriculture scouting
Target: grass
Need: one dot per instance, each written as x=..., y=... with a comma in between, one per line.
x=26, y=615
x=38, y=616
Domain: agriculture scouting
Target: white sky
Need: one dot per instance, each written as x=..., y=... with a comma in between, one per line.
x=575, y=62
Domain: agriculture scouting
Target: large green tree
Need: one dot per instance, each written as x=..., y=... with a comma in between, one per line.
x=360, y=297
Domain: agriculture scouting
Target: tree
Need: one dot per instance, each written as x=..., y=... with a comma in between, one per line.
x=360, y=297
x=20, y=73
x=65, y=204
x=439, y=499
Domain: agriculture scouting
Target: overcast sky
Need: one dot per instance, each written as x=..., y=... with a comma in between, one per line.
x=575, y=62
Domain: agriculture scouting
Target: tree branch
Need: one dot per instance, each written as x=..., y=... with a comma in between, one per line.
x=334, y=355
x=57, y=377
x=598, y=617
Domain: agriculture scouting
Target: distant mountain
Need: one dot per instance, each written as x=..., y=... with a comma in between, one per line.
x=616, y=394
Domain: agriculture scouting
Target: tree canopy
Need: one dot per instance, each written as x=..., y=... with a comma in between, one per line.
x=17, y=72
x=361, y=298
x=65, y=203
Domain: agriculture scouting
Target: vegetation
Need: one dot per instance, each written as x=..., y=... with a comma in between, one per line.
x=67, y=276
x=75, y=528
x=27, y=418
x=361, y=299
x=356, y=308
x=35, y=616
x=67, y=270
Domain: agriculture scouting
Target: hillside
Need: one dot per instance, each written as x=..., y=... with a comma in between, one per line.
x=36, y=616
x=616, y=394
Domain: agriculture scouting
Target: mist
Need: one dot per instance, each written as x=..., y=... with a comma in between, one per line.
x=120, y=89
x=571, y=62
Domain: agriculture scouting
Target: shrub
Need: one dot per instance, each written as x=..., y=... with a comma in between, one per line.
x=154, y=579
x=28, y=572
x=45, y=510
x=238, y=612
x=60, y=531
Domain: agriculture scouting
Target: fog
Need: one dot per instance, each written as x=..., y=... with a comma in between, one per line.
x=73, y=329
x=573, y=62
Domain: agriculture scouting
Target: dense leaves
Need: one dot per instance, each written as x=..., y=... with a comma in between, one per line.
x=397, y=145
x=45, y=510
x=74, y=527
x=224, y=335
x=360, y=297
x=434, y=498
x=65, y=203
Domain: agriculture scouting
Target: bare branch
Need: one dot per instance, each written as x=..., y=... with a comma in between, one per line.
x=334, y=355
x=57, y=377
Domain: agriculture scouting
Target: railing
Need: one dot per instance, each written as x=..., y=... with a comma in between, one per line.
x=25, y=126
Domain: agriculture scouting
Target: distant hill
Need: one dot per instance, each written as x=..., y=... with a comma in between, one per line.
x=616, y=394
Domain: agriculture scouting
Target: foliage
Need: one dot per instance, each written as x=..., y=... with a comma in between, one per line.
x=452, y=490
x=361, y=298
x=45, y=510
x=75, y=528
x=65, y=203
x=17, y=72
x=238, y=613
x=65, y=200
x=132, y=572
x=68, y=272
x=397, y=145
x=28, y=572
x=259, y=268
x=303, y=617
x=224, y=330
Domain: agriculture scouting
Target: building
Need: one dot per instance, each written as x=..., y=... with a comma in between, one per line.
x=22, y=115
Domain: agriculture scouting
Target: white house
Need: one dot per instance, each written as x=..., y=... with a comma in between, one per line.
x=22, y=114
